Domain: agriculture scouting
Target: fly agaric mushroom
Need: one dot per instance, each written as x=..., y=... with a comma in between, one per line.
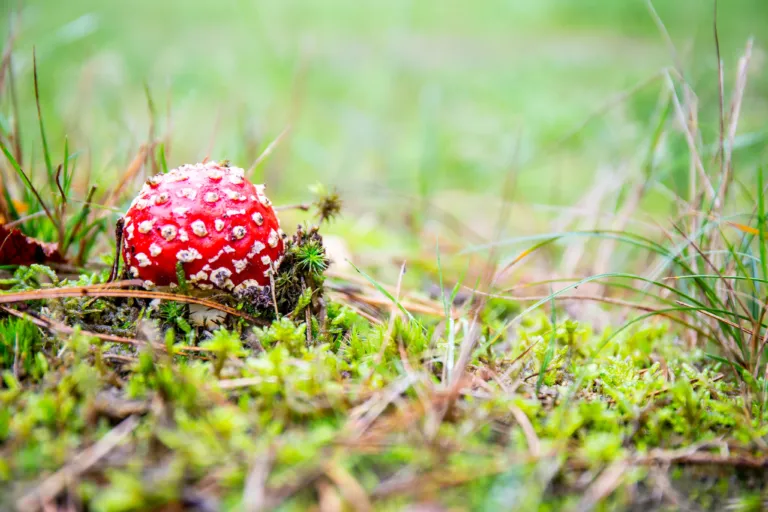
x=209, y=218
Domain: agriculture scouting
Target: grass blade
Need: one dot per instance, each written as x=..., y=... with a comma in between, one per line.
x=46, y=151
x=384, y=292
x=550, y=349
x=31, y=188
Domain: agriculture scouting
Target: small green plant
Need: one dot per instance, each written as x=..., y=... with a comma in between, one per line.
x=223, y=345
x=286, y=333
x=20, y=344
x=68, y=223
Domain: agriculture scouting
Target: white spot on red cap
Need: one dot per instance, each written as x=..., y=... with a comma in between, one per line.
x=129, y=229
x=155, y=250
x=272, y=239
x=188, y=193
x=266, y=259
x=168, y=232
x=233, y=194
x=183, y=236
x=216, y=258
x=240, y=265
x=220, y=276
x=181, y=211
x=148, y=284
x=218, y=224
x=211, y=197
x=200, y=276
x=188, y=255
x=232, y=213
x=176, y=175
x=258, y=218
x=146, y=226
x=198, y=228
x=133, y=271
x=162, y=198
x=256, y=248
x=239, y=232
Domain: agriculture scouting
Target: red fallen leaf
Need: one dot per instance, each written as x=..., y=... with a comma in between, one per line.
x=18, y=249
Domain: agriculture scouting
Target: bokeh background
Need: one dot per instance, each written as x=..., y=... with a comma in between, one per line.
x=410, y=107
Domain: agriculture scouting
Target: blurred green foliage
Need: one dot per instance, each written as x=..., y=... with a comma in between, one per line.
x=411, y=95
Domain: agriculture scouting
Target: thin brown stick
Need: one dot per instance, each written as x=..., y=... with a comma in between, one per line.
x=381, y=302
x=721, y=106
x=304, y=207
x=734, y=114
x=39, y=497
x=133, y=169
x=118, y=246
x=718, y=318
x=255, y=496
x=364, y=283
x=81, y=220
x=89, y=291
x=697, y=164
x=47, y=323
x=603, y=486
x=350, y=488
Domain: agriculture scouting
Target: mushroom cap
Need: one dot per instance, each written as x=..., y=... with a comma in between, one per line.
x=220, y=226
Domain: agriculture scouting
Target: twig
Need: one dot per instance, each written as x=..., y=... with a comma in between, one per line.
x=118, y=249
x=239, y=383
x=378, y=301
x=534, y=445
x=82, y=462
x=133, y=168
x=255, y=497
x=603, y=485
x=50, y=325
x=99, y=291
x=349, y=486
x=303, y=207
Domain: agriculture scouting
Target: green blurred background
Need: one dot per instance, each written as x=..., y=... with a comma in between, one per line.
x=393, y=101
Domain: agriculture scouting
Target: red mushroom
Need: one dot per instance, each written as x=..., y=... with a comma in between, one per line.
x=211, y=219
